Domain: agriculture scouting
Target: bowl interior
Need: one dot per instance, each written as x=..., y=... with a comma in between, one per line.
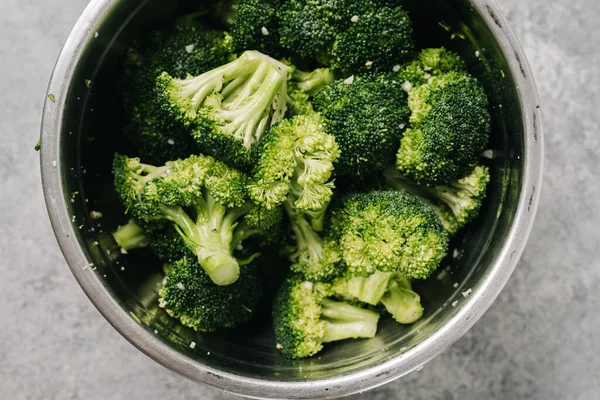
x=92, y=132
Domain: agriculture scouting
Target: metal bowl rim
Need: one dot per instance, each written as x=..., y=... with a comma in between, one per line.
x=470, y=310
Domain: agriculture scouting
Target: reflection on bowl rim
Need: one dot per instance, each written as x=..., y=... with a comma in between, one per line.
x=469, y=312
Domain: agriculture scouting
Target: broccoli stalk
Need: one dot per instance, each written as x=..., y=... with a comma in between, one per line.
x=345, y=321
x=402, y=302
x=312, y=82
x=229, y=108
x=316, y=258
x=369, y=289
x=130, y=236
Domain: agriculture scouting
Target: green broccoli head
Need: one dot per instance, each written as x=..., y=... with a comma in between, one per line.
x=389, y=231
x=256, y=27
x=189, y=295
x=377, y=41
x=296, y=159
x=228, y=108
x=431, y=62
x=367, y=115
x=304, y=318
x=131, y=177
x=450, y=128
x=308, y=27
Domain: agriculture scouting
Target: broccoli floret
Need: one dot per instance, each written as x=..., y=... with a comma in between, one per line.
x=377, y=41
x=303, y=86
x=130, y=236
x=316, y=257
x=450, y=128
x=388, y=231
x=402, y=302
x=168, y=245
x=229, y=108
x=304, y=318
x=456, y=203
x=257, y=27
x=296, y=159
x=190, y=296
x=431, y=62
x=217, y=225
x=309, y=27
x=131, y=177
x=367, y=116
x=179, y=52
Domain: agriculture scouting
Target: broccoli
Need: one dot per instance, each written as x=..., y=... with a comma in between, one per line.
x=168, y=245
x=257, y=27
x=316, y=258
x=228, y=108
x=304, y=318
x=450, y=127
x=377, y=41
x=130, y=236
x=402, y=302
x=303, y=86
x=367, y=115
x=222, y=216
x=388, y=231
x=456, y=203
x=179, y=52
x=431, y=62
x=131, y=177
x=296, y=159
x=189, y=295
x=391, y=290
x=309, y=28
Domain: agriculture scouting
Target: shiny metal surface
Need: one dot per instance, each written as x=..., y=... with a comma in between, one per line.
x=81, y=130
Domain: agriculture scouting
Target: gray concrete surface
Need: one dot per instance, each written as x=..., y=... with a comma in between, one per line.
x=540, y=340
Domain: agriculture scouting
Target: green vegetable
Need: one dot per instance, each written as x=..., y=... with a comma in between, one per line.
x=257, y=27
x=304, y=318
x=130, y=236
x=450, y=127
x=178, y=52
x=190, y=296
x=229, y=108
x=367, y=115
x=389, y=231
x=217, y=196
x=431, y=62
x=456, y=203
x=378, y=41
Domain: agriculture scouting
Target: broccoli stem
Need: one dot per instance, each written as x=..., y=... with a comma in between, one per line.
x=306, y=237
x=130, y=236
x=209, y=238
x=311, y=83
x=402, y=302
x=344, y=321
x=369, y=290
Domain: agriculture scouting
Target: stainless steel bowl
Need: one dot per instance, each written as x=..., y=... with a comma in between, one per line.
x=82, y=128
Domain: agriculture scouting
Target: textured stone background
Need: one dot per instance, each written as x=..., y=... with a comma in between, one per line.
x=540, y=340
